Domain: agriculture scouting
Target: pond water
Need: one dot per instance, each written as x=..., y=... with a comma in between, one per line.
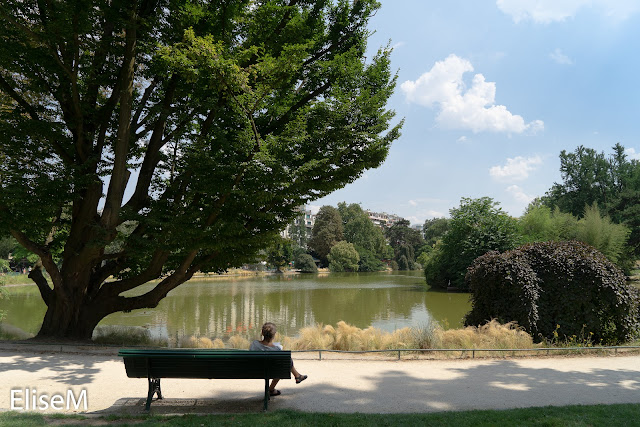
x=223, y=306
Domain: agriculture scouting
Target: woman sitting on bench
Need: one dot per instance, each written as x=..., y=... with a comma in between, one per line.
x=267, y=344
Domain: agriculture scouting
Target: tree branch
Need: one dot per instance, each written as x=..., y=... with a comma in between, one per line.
x=145, y=97
x=35, y=37
x=120, y=174
x=4, y=85
x=43, y=253
x=151, y=157
x=153, y=271
x=302, y=102
x=36, y=275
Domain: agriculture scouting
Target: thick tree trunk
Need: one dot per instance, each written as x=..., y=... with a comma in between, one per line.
x=70, y=317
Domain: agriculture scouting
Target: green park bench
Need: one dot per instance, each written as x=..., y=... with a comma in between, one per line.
x=203, y=363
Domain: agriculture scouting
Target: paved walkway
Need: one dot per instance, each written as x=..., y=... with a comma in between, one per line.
x=364, y=385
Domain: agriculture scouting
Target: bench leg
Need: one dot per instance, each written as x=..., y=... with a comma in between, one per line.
x=266, y=394
x=154, y=387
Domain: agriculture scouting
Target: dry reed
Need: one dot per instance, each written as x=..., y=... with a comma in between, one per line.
x=344, y=336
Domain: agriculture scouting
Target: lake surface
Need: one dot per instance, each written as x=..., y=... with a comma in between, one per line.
x=224, y=306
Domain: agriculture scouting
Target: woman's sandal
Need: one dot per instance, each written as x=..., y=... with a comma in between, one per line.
x=274, y=393
x=300, y=378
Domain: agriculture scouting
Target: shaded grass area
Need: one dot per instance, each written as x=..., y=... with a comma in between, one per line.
x=19, y=279
x=593, y=415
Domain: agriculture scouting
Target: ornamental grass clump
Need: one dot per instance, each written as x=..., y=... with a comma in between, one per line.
x=199, y=342
x=348, y=337
x=317, y=337
x=239, y=342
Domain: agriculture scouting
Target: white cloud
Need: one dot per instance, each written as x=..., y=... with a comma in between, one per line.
x=516, y=169
x=560, y=57
x=631, y=153
x=473, y=109
x=462, y=139
x=547, y=11
x=519, y=195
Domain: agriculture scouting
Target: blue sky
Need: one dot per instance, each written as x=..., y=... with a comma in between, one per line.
x=491, y=91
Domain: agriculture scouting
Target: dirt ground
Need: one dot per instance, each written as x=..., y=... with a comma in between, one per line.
x=356, y=384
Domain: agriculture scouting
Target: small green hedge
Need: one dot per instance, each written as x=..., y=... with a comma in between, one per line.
x=554, y=290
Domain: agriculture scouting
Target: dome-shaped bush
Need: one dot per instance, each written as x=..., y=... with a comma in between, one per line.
x=564, y=287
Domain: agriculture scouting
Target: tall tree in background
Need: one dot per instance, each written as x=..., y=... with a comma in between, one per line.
x=405, y=242
x=280, y=253
x=612, y=182
x=476, y=227
x=220, y=117
x=434, y=229
x=590, y=177
x=326, y=232
x=361, y=231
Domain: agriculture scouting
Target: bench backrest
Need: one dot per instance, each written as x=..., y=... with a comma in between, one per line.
x=203, y=363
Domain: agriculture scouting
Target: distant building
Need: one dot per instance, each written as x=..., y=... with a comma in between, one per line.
x=300, y=229
x=383, y=220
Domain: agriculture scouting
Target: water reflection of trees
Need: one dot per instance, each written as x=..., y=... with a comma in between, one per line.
x=220, y=308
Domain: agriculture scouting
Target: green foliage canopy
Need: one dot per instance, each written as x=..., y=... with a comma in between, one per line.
x=361, y=231
x=223, y=117
x=540, y=224
x=612, y=182
x=405, y=241
x=434, y=229
x=280, y=253
x=343, y=257
x=326, y=232
x=476, y=227
x=305, y=264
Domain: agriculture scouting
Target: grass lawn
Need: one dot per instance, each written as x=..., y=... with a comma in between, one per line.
x=17, y=279
x=596, y=415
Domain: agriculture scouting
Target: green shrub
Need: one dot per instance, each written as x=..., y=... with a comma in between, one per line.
x=343, y=257
x=554, y=289
x=369, y=261
x=305, y=264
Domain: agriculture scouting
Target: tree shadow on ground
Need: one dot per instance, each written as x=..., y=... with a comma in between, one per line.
x=494, y=384
x=66, y=368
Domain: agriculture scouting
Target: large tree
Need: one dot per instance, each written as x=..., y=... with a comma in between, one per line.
x=476, y=227
x=405, y=242
x=147, y=139
x=590, y=177
x=326, y=232
x=361, y=231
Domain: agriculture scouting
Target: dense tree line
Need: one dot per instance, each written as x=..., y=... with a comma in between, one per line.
x=345, y=239
x=612, y=182
x=597, y=203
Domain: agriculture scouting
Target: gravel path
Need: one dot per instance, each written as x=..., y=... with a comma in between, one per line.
x=366, y=385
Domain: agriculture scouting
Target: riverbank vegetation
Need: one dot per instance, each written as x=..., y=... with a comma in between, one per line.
x=575, y=415
x=344, y=337
x=345, y=239
x=596, y=203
